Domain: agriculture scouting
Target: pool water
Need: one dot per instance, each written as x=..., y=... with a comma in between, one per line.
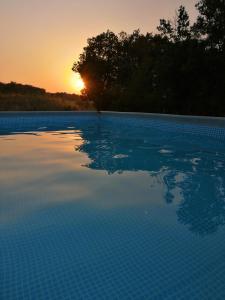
x=110, y=206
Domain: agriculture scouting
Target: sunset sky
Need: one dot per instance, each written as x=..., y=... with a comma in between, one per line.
x=40, y=39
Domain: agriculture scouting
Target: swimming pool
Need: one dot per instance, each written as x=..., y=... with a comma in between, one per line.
x=111, y=206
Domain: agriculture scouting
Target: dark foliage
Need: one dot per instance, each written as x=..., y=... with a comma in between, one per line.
x=17, y=88
x=19, y=97
x=180, y=70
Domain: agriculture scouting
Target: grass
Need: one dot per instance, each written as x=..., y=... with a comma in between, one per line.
x=44, y=102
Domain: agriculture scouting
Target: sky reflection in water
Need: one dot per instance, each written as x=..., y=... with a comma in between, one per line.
x=110, y=198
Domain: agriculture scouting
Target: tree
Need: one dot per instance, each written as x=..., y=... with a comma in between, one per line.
x=210, y=23
x=176, y=31
x=181, y=70
x=97, y=65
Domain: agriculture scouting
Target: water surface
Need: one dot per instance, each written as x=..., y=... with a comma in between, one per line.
x=111, y=207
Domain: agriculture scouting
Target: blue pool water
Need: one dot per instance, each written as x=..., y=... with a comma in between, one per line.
x=107, y=206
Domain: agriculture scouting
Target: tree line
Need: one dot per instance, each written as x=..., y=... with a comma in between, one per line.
x=180, y=69
x=23, y=97
x=18, y=88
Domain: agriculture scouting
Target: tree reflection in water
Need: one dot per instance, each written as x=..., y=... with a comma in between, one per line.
x=190, y=163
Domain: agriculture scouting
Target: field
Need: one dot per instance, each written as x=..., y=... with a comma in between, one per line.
x=16, y=97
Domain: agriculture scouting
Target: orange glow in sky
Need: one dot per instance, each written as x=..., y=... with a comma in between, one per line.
x=41, y=39
x=77, y=83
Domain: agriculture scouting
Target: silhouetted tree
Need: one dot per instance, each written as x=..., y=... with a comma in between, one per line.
x=97, y=65
x=210, y=23
x=180, y=70
x=179, y=29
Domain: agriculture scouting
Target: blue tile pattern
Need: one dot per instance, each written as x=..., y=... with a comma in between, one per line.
x=111, y=207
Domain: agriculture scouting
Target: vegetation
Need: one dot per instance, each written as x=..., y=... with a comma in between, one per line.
x=180, y=70
x=19, y=97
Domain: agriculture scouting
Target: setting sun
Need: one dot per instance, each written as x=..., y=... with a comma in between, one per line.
x=78, y=83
